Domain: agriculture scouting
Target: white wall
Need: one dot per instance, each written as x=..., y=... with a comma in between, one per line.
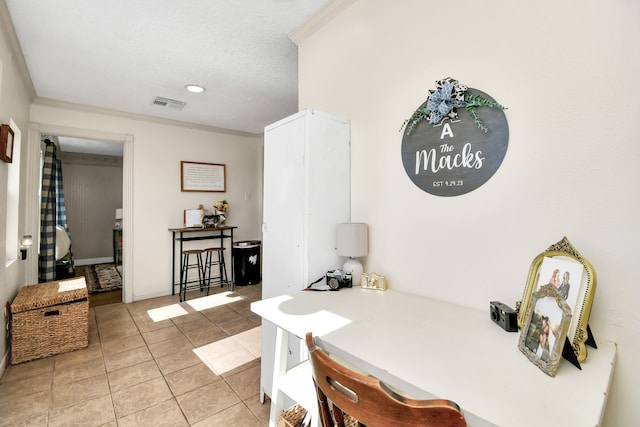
x=567, y=71
x=14, y=105
x=158, y=203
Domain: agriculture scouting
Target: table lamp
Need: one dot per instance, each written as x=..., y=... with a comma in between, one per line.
x=118, y=218
x=352, y=242
x=25, y=244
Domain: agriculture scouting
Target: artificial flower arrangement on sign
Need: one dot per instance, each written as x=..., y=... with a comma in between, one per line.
x=217, y=216
x=443, y=102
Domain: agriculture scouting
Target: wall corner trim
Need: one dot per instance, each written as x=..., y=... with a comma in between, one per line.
x=318, y=20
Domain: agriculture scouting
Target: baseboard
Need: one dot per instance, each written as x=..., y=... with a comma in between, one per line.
x=90, y=261
x=152, y=295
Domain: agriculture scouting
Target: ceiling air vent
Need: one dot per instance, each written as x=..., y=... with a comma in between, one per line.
x=168, y=103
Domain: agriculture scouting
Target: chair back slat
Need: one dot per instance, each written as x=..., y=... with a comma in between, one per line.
x=345, y=396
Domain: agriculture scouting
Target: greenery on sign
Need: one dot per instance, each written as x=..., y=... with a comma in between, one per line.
x=443, y=102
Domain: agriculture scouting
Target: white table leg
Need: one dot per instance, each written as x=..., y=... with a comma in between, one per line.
x=279, y=369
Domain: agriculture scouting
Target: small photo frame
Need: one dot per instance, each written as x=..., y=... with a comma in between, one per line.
x=6, y=143
x=545, y=329
x=563, y=267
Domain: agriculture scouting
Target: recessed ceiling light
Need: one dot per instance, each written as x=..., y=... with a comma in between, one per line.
x=194, y=88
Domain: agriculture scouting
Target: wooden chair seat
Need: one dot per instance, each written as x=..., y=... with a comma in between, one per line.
x=345, y=396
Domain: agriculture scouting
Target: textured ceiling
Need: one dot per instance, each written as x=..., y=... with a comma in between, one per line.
x=121, y=54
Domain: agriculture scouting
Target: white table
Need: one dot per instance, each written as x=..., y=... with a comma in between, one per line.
x=428, y=349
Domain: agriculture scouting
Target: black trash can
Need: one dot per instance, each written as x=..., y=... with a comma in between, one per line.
x=246, y=262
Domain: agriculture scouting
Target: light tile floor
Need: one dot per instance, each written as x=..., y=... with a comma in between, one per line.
x=156, y=362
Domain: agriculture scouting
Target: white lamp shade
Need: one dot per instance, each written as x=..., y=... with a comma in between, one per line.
x=352, y=240
x=119, y=213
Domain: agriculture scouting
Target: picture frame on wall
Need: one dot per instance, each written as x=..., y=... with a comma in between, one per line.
x=6, y=143
x=203, y=177
x=563, y=267
x=545, y=329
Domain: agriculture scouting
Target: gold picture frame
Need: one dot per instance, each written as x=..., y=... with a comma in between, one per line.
x=545, y=329
x=552, y=267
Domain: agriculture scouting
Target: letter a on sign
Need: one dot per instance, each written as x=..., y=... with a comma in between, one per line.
x=446, y=130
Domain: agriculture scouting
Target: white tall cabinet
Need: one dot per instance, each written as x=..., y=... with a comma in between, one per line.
x=306, y=194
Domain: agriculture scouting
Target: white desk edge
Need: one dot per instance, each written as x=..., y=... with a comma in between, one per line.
x=392, y=335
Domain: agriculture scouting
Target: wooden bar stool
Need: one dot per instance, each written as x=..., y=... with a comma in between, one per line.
x=187, y=264
x=215, y=258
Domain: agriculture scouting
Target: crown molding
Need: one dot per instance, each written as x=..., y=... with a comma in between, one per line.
x=49, y=102
x=16, y=51
x=320, y=19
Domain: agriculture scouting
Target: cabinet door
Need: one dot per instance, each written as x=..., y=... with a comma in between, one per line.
x=328, y=189
x=283, y=209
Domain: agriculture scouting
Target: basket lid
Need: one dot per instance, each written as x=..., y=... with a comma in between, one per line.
x=31, y=297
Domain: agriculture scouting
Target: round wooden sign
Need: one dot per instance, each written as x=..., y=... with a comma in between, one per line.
x=455, y=156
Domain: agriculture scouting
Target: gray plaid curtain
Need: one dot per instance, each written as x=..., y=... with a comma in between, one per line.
x=48, y=216
x=52, y=213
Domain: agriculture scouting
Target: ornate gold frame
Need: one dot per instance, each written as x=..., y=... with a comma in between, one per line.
x=580, y=316
x=547, y=301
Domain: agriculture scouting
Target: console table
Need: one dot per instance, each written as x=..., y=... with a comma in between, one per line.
x=432, y=349
x=190, y=234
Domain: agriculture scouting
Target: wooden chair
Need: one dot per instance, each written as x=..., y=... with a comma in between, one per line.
x=345, y=396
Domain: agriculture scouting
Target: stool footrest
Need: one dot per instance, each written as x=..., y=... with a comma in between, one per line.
x=211, y=264
x=185, y=266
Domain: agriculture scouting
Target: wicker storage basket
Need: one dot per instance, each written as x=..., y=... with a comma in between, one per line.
x=49, y=318
x=292, y=417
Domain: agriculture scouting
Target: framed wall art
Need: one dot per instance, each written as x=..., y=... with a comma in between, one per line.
x=545, y=329
x=6, y=143
x=205, y=177
x=564, y=268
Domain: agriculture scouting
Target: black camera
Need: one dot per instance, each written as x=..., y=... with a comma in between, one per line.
x=504, y=316
x=338, y=279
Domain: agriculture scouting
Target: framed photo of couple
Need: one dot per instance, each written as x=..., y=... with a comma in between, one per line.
x=545, y=329
x=560, y=286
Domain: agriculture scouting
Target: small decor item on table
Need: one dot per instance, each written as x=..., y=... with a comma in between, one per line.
x=373, y=281
x=220, y=209
x=193, y=217
x=545, y=329
x=210, y=219
x=503, y=316
x=573, y=276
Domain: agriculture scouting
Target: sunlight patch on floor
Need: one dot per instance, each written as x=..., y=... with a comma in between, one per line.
x=216, y=300
x=166, y=312
x=199, y=304
x=227, y=354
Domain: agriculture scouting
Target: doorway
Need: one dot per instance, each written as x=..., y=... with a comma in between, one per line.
x=93, y=142
x=92, y=172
